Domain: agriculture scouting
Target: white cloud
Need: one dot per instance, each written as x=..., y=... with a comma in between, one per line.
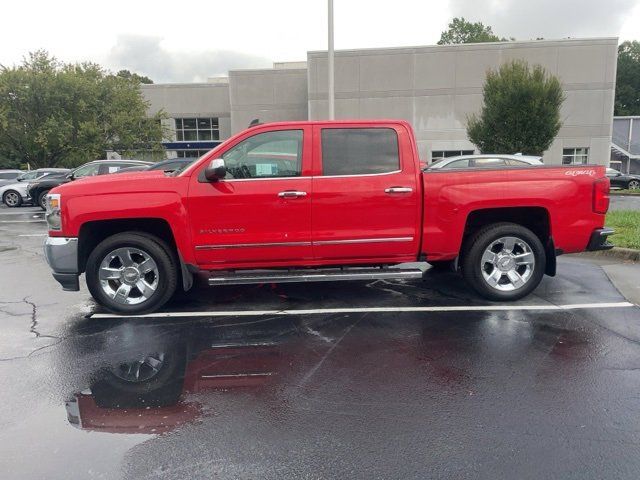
x=147, y=56
x=171, y=40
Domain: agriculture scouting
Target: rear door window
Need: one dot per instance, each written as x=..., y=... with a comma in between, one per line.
x=516, y=163
x=458, y=164
x=359, y=151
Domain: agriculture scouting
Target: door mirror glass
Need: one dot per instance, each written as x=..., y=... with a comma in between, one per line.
x=216, y=170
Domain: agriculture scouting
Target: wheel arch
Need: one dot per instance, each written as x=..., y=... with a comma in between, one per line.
x=535, y=218
x=93, y=232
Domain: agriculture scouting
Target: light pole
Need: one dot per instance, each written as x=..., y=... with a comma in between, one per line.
x=331, y=87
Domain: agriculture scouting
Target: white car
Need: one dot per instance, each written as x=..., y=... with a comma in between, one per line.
x=486, y=161
x=15, y=194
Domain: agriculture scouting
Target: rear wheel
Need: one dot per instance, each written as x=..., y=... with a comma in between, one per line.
x=504, y=261
x=11, y=198
x=42, y=199
x=132, y=273
x=634, y=185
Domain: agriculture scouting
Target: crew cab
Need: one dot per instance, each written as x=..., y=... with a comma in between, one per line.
x=319, y=201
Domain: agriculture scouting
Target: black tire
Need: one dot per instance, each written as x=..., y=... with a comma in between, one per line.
x=42, y=199
x=12, y=199
x=475, y=246
x=158, y=250
x=633, y=184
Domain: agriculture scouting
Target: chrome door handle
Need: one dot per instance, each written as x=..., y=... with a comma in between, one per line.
x=292, y=194
x=398, y=190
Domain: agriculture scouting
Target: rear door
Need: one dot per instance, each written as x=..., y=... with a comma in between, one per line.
x=366, y=197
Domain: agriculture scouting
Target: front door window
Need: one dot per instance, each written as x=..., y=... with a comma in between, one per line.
x=266, y=155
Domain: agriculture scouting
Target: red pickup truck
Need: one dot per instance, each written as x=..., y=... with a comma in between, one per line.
x=319, y=201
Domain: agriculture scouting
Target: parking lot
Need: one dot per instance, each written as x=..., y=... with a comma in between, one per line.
x=384, y=379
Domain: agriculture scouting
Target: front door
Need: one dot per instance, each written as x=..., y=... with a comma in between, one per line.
x=366, y=196
x=260, y=214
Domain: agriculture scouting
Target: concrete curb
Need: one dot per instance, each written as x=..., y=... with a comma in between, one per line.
x=626, y=194
x=620, y=253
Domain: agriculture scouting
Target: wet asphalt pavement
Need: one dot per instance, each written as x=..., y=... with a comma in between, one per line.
x=498, y=394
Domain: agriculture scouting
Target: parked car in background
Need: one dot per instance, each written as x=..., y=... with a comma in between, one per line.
x=166, y=165
x=15, y=194
x=38, y=190
x=486, y=161
x=9, y=176
x=622, y=180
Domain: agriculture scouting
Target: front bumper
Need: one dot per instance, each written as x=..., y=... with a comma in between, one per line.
x=599, y=239
x=62, y=256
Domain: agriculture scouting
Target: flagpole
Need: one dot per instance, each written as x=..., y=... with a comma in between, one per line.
x=331, y=86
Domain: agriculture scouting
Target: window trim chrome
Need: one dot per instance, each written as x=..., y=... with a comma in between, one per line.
x=359, y=174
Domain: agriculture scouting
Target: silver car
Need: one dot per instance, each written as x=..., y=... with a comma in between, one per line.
x=486, y=161
x=15, y=194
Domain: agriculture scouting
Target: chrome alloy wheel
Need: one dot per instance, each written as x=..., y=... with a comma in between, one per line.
x=140, y=370
x=507, y=264
x=128, y=275
x=11, y=199
x=634, y=185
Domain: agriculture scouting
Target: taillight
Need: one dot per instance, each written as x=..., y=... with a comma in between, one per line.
x=601, y=195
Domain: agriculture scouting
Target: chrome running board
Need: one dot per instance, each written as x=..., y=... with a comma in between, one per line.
x=316, y=275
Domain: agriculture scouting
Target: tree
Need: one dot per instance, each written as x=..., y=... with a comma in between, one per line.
x=134, y=76
x=628, y=79
x=462, y=31
x=56, y=114
x=521, y=111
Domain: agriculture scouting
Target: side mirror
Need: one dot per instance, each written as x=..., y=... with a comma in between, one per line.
x=70, y=176
x=216, y=170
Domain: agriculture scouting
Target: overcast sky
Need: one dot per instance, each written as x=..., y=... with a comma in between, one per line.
x=192, y=40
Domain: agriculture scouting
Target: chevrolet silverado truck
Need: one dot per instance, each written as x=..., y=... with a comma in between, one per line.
x=319, y=201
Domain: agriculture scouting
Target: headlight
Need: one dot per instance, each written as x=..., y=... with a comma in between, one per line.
x=53, y=211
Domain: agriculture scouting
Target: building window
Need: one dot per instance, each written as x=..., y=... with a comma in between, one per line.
x=439, y=154
x=197, y=129
x=575, y=156
x=190, y=153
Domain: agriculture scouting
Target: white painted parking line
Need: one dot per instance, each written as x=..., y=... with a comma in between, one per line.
x=33, y=235
x=316, y=311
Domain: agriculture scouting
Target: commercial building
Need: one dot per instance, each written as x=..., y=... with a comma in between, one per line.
x=435, y=88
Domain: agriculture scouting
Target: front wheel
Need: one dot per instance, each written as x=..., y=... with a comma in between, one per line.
x=11, y=198
x=634, y=185
x=132, y=273
x=504, y=261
